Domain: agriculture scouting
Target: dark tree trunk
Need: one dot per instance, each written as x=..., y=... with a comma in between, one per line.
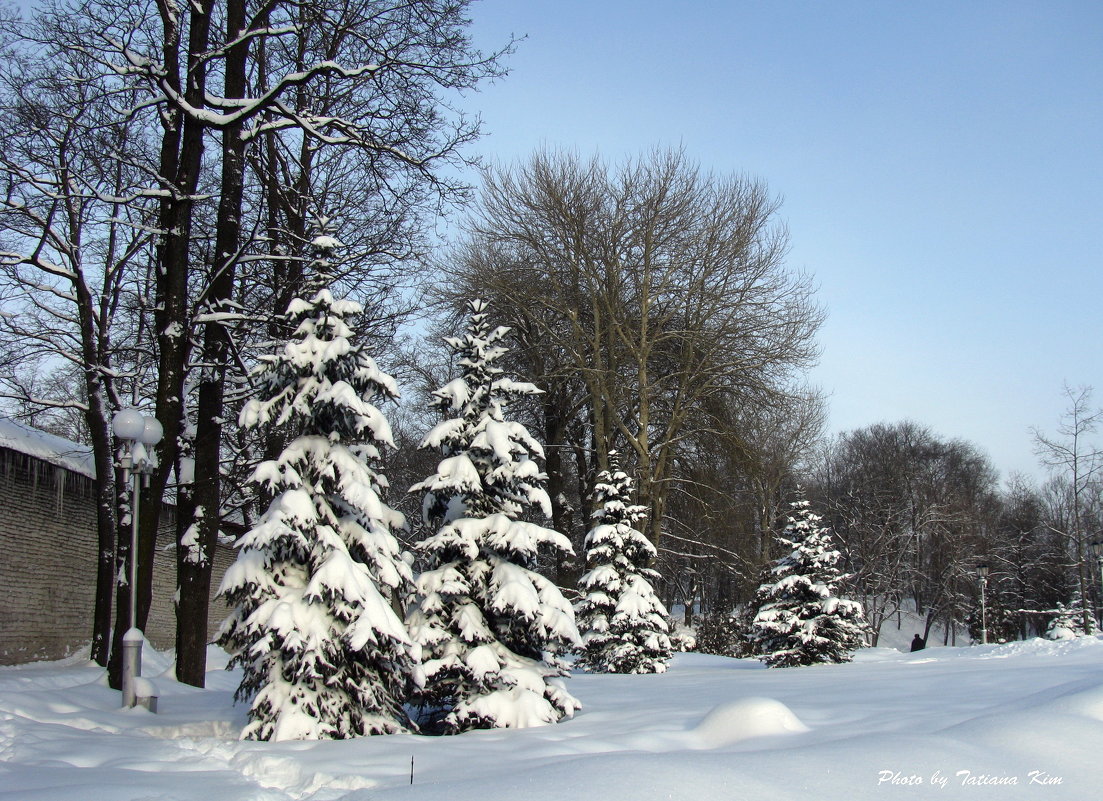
x=122, y=587
x=555, y=430
x=181, y=160
x=583, y=481
x=105, y=529
x=97, y=418
x=195, y=557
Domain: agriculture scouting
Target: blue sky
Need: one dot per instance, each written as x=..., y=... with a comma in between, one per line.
x=941, y=165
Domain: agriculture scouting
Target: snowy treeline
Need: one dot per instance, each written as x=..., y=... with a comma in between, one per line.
x=916, y=515
x=157, y=222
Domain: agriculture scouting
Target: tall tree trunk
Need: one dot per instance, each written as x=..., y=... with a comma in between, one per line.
x=122, y=586
x=196, y=554
x=181, y=160
x=555, y=430
x=96, y=362
x=95, y=418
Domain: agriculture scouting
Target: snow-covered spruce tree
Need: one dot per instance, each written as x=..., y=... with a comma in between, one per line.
x=491, y=628
x=324, y=655
x=799, y=620
x=1068, y=621
x=623, y=623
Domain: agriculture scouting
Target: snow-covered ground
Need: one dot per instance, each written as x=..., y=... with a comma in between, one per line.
x=943, y=723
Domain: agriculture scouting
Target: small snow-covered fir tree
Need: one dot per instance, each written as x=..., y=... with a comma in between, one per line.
x=1068, y=621
x=799, y=618
x=623, y=623
x=324, y=655
x=1064, y=625
x=491, y=628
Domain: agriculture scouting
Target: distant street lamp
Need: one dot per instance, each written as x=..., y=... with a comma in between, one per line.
x=1097, y=549
x=982, y=571
x=140, y=433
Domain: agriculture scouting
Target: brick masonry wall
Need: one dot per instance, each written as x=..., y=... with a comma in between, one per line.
x=48, y=564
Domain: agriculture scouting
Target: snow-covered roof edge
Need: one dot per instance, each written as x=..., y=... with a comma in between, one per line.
x=73, y=456
x=48, y=447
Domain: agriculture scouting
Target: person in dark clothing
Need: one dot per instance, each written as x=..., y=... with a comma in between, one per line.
x=918, y=643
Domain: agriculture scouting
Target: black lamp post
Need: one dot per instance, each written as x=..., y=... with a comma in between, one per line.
x=982, y=571
x=140, y=433
x=1097, y=550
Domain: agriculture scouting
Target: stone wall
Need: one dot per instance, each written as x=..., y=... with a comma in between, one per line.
x=48, y=564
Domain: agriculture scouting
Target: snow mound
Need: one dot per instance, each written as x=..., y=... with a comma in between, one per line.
x=741, y=720
x=296, y=778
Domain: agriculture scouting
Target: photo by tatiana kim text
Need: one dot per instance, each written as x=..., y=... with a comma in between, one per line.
x=966, y=778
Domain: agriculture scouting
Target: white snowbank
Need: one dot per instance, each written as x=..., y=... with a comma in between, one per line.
x=746, y=718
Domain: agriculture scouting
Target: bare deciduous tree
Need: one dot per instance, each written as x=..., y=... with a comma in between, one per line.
x=654, y=286
x=1076, y=463
x=75, y=224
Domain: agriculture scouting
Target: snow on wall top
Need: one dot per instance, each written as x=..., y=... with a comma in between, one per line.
x=47, y=447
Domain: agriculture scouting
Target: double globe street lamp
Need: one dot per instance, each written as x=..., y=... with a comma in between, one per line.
x=140, y=433
x=1097, y=551
x=982, y=571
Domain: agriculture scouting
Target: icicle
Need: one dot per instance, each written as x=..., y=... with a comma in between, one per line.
x=59, y=501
